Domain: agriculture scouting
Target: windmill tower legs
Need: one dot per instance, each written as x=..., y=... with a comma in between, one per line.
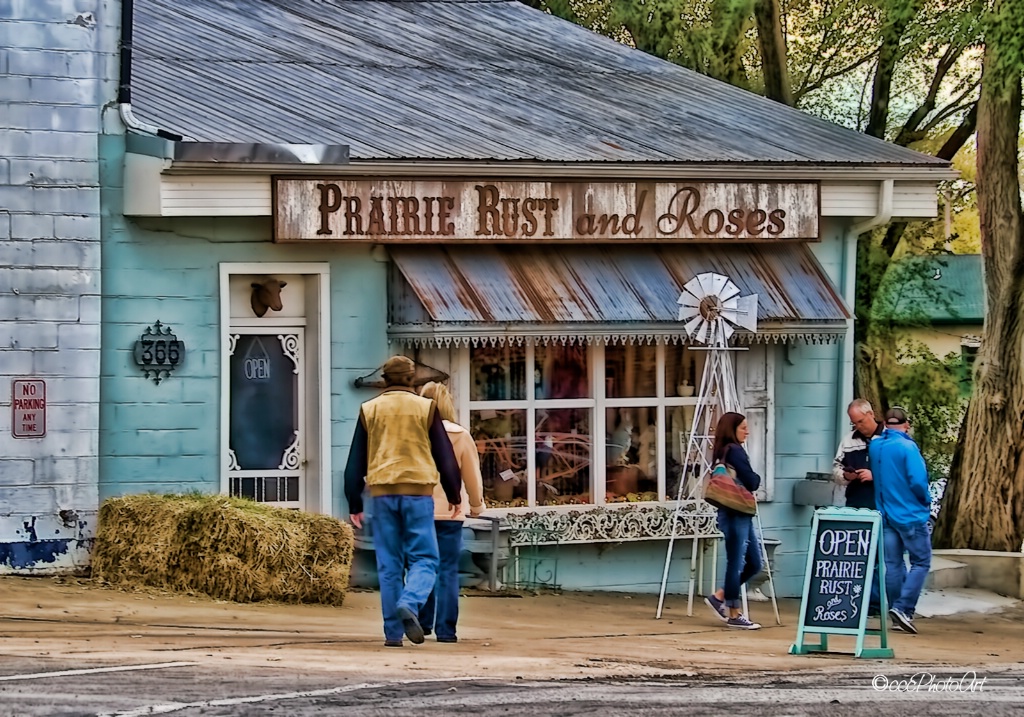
x=710, y=305
x=717, y=395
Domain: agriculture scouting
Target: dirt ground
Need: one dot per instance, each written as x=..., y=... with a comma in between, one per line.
x=53, y=623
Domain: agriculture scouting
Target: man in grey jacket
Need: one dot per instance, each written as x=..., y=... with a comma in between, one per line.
x=850, y=467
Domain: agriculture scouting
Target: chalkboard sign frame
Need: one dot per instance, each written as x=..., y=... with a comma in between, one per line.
x=840, y=520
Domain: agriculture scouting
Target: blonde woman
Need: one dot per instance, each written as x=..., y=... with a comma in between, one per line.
x=440, y=613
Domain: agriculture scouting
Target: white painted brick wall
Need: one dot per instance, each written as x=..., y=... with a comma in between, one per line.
x=60, y=61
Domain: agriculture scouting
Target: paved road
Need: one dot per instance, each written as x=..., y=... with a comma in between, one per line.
x=70, y=650
x=184, y=690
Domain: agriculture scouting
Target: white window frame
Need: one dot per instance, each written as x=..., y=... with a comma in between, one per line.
x=598, y=404
x=662, y=404
x=760, y=399
x=531, y=404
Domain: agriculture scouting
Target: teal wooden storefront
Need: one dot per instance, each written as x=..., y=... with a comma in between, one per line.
x=263, y=406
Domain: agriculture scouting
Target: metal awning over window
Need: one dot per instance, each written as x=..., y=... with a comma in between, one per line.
x=454, y=295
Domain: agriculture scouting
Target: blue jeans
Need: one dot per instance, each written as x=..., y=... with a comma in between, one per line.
x=406, y=548
x=875, y=599
x=440, y=612
x=742, y=553
x=903, y=588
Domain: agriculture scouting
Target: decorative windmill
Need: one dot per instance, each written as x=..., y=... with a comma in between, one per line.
x=711, y=307
x=710, y=304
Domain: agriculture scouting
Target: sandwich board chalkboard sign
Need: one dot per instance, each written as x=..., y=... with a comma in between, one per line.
x=846, y=545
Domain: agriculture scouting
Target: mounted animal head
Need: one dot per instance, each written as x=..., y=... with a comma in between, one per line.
x=266, y=295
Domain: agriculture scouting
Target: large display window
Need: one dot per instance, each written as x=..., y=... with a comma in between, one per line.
x=562, y=424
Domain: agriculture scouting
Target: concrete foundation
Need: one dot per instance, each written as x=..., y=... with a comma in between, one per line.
x=999, y=572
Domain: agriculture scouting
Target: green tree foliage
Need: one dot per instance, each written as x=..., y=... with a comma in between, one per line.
x=928, y=388
x=904, y=70
x=919, y=56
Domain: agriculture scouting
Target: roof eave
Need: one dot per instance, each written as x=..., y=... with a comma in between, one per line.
x=590, y=170
x=219, y=154
x=442, y=333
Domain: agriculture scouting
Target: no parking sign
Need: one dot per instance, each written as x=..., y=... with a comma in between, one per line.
x=28, y=408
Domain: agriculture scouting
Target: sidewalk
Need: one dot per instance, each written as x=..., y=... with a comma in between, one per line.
x=60, y=621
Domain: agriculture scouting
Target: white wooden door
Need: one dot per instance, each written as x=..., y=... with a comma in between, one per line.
x=755, y=379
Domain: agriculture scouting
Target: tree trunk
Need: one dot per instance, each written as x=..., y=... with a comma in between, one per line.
x=894, y=25
x=867, y=380
x=768, y=16
x=987, y=492
x=730, y=19
x=942, y=537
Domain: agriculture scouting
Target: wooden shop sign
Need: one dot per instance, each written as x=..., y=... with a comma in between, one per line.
x=382, y=210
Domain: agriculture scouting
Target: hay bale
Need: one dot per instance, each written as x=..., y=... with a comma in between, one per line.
x=227, y=548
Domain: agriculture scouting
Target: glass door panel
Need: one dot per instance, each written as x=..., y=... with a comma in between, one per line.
x=265, y=408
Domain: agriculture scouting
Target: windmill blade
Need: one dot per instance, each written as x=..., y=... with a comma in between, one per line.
x=712, y=283
x=689, y=306
x=693, y=326
x=727, y=330
x=688, y=299
x=688, y=312
x=694, y=288
x=699, y=328
x=728, y=291
x=747, y=312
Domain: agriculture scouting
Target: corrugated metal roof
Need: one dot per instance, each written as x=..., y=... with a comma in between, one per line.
x=455, y=80
x=495, y=285
x=941, y=289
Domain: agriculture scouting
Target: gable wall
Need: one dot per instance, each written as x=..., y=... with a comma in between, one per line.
x=59, y=67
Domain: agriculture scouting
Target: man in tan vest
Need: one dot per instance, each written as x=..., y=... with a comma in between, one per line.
x=401, y=450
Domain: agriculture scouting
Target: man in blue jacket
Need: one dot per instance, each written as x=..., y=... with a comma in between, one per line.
x=901, y=492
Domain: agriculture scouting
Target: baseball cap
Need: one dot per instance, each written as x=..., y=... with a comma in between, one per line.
x=896, y=416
